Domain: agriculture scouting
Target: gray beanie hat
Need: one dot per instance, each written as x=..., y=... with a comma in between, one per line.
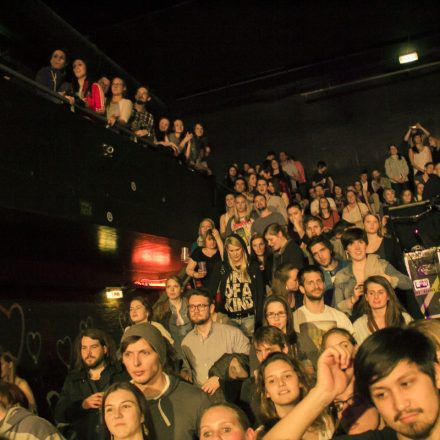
x=152, y=335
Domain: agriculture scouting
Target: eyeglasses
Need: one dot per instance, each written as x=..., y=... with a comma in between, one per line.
x=273, y=315
x=199, y=307
x=353, y=400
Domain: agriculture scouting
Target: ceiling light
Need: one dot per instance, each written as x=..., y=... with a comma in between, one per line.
x=408, y=57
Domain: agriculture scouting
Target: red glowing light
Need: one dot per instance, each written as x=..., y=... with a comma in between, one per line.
x=154, y=259
x=145, y=282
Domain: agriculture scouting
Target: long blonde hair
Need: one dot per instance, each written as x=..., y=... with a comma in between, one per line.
x=201, y=237
x=248, y=208
x=242, y=266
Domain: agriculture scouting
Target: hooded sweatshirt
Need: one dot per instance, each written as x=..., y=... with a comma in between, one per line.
x=233, y=290
x=175, y=413
x=21, y=424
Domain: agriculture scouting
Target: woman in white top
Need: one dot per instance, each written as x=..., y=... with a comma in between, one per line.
x=355, y=210
x=419, y=155
x=382, y=309
x=118, y=109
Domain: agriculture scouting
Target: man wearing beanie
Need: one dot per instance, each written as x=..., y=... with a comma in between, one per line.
x=174, y=406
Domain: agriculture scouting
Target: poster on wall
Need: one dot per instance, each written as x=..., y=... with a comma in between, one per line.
x=424, y=270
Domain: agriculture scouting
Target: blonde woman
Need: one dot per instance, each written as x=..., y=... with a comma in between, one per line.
x=204, y=226
x=237, y=285
x=242, y=220
x=203, y=258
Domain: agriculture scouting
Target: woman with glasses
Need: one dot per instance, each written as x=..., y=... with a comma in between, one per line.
x=277, y=313
x=118, y=108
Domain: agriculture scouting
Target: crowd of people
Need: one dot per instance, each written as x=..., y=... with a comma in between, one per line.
x=293, y=318
x=108, y=98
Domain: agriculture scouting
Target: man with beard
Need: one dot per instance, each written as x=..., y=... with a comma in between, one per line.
x=314, y=318
x=95, y=369
x=266, y=217
x=396, y=369
x=240, y=185
x=174, y=406
x=207, y=342
x=141, y=121
x=274, y=203
x=321, y=250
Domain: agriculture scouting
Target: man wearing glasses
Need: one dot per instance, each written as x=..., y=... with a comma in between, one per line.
x=207, y=342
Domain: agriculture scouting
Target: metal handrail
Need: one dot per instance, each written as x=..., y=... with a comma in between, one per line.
x=47, y=92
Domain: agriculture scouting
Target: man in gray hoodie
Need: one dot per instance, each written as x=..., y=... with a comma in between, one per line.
x=174, y=405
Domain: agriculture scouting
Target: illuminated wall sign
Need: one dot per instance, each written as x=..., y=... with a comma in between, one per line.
x=114, y=293
x=408, y=58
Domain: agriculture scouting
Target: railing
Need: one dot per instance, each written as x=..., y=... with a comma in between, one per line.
x=67, y=164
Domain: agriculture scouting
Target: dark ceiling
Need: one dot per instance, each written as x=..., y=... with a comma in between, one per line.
x=198, y=53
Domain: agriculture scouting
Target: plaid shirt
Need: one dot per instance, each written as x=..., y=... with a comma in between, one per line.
x=142, y=121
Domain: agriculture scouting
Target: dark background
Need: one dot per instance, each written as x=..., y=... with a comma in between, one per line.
x=350, y=131
x=318, y=78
